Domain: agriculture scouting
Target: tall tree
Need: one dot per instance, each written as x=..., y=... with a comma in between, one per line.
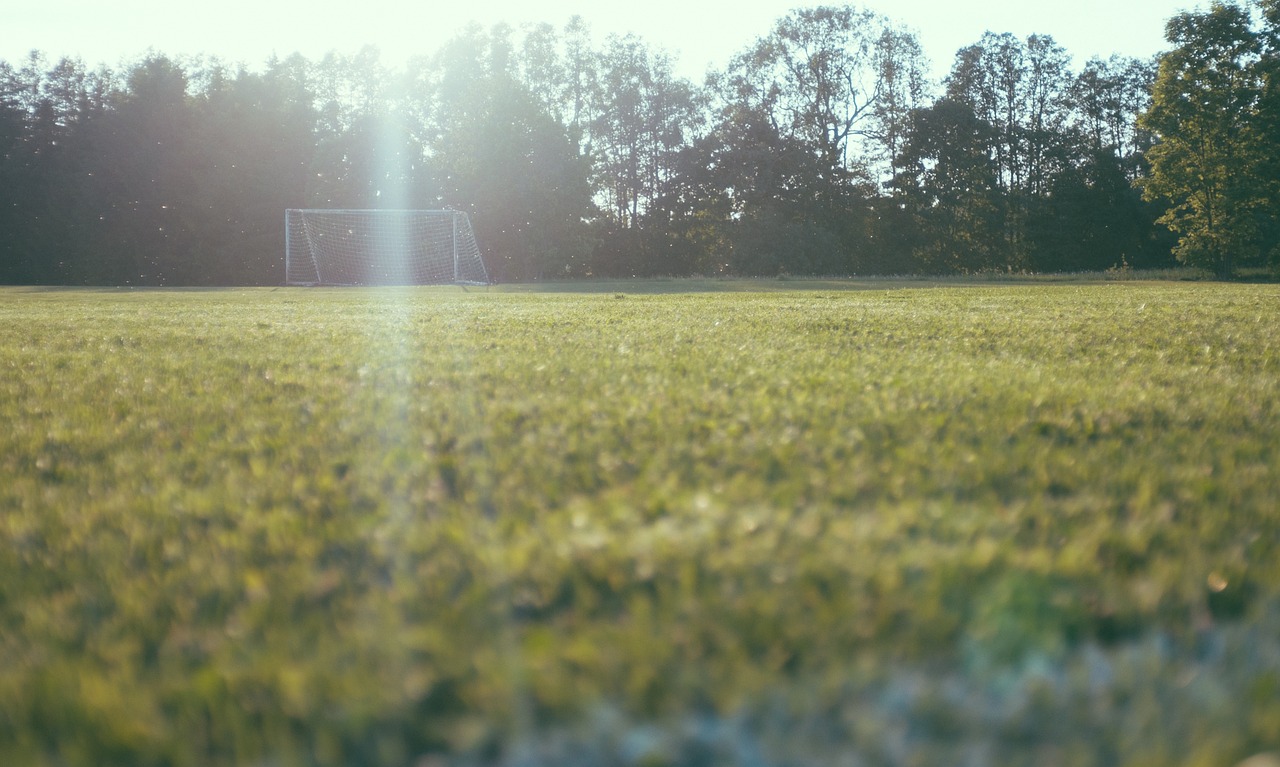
x=144, y=179
x=1092, y=217
x=838, y=78
x=948, y=191
x=643, y=118
x=1108, y=97
x=902, y=65
x=1207, y=156
x=1048, y=104
x=497, y=153
x=822, y=103
x=15, y=172
x=649, y=115
x=370, y=142
x=761, y=202
x=252, y=149
x=1268, y=131
x=1020, y=88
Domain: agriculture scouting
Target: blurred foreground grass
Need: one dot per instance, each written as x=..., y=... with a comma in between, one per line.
x=813, y=523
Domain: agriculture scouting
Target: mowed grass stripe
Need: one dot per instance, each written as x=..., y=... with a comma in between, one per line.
x=363, y=522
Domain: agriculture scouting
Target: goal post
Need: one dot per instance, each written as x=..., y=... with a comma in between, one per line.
x=381, y=247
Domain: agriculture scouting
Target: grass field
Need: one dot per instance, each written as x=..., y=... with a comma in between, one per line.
x=665, y=523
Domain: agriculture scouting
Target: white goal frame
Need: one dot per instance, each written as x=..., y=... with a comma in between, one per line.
x=380, y=247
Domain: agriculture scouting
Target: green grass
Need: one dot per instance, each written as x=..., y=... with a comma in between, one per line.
x=363, y=526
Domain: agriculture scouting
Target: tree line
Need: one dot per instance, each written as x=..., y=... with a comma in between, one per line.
x=822, y=148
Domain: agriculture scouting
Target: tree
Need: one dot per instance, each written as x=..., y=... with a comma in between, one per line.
x=370, y=144
x=948, y=190
x=44, y=115
x=497, y=153
x=809, y=119
x=13, y=174
x=902, y=65
x=1268, y=131
x=1207, y=156
x=144, y=180
x=839, y=79
x=252, y=149
x=761, y=202
x=1092, y=217
x=1048, y=103
x=1109, y=96
x=647, y=115
x=1021, y=90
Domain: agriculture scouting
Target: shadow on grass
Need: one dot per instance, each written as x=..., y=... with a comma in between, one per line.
x=677, y=285
x=894, y=282
x=126, y=289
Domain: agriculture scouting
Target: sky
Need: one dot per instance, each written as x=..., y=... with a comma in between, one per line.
x=700, y=33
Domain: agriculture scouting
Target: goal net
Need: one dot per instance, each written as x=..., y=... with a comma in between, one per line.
x=381, y=247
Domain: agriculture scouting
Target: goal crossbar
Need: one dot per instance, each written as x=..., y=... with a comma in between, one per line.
x=326, y=246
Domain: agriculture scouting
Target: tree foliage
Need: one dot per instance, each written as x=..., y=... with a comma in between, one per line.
x=821, y=148
x=1204, y=114
x=498, y=153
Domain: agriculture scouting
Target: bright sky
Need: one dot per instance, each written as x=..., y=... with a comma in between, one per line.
x=702, y=33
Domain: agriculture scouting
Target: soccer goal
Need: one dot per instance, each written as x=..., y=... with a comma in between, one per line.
x=381, y=247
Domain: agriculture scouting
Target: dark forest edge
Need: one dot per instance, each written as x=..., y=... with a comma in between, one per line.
x=822, y=148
